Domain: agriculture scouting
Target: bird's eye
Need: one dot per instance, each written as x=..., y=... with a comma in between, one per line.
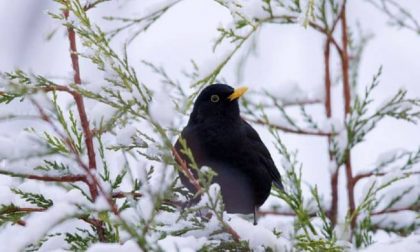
x=214, y=98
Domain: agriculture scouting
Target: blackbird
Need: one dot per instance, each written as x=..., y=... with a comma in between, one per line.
x=220, y=139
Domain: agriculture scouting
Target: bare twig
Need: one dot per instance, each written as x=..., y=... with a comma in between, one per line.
x=120, y=195
x=334, y=176
x=98, y=225
x=358, y=177
x=396, y=210
x=400, y=16
x=65, y=178
x=347, y=100
x=327, y=72
x=80, y=102
x=186, y=171
x=292, y=214
x=288, y=130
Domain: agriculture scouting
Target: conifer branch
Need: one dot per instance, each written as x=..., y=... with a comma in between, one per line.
x=347, y=107
x=396, y=210
x=79, y=100
x=46, y=178
x=186, y=171
x=289, y=130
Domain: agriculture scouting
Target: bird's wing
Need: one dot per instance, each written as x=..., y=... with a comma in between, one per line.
x=264, y=154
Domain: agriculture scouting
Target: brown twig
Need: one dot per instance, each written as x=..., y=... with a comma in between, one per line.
x=327, y=72
x=233, y=233
x=57, y=87
x=78, y=98
x=334, y=176
x=14, y=209
x=358, y=177
x=347, y=99
x=264, y=213
x=120, y=195
x=186, y=171
x=80, y=102
x=396, y=210
x=65, y=178
x=98, y=225
x=90, y=180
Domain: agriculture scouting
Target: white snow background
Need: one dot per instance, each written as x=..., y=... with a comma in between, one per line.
x=286, y=54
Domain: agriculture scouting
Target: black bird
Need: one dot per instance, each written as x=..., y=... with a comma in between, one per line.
x=219, y=138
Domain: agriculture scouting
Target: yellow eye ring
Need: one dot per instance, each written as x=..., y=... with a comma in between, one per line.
x=214, y=98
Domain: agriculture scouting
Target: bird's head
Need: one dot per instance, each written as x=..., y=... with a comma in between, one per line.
x=217, y=102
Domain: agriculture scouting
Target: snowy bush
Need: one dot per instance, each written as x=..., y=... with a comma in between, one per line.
x=92, y=165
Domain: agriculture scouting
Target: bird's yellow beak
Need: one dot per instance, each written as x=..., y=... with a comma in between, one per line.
x=238, y=92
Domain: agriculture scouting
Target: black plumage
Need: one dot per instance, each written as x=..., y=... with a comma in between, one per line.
x=219, y=138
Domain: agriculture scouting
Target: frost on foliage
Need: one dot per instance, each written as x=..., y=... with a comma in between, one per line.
x=162, y=109
x=259, y=237
x=388, y=242
x=331, y=125
x=177, y=243
x=292, y=93
x=101, y=113
x=307, y=14
x=369, y=187
x=20, y=145
x=135, y=159
x=402, y=194
x=37, y=225
x=397, y=221
x=156, y=6
x=113, y=247
x=128, y=136
x=254, y=10
x=209, y=65
x=213, y=193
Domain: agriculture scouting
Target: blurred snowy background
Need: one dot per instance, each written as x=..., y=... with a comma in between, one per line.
x=286, y=55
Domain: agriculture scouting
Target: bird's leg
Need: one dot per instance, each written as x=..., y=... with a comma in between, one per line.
x=255, y=215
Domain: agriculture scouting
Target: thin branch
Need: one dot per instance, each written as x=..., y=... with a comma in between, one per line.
x=65, y=178
x=327, y=72
x=187, y=172
x=292, y=214
x=98, y=224
x=402, y=18
x=99, y=227
x=358, y=177
x=396, y=210
x=79, y=101
x=334, y=176
x=233, y=233
x=91, y=5
x=301, y=103
x=10, y=210
x=288, y=130
x=120, y=195
x=347, y=108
